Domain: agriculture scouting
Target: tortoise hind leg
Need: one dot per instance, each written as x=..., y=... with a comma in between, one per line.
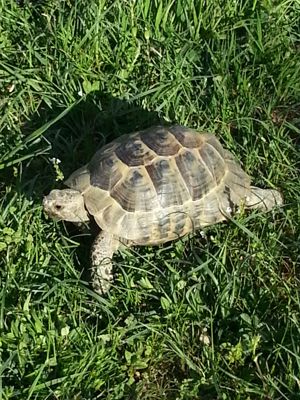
x=263, y=199
x=104, y=246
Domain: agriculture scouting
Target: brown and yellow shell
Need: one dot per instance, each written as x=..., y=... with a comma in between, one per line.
x=158, y=184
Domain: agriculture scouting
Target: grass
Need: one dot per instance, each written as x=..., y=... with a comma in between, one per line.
x=212, y=316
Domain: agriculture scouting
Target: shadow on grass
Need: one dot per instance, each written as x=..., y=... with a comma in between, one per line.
x=96, y=120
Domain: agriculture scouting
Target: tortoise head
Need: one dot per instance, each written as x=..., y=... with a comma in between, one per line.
x=67, y=205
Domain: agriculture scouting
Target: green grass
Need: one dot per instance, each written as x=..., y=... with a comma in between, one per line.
x=214, y=316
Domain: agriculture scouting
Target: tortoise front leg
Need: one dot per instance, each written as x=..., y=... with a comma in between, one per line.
x=102, y=252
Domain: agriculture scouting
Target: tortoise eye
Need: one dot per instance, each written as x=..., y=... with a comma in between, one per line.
x=58, y=207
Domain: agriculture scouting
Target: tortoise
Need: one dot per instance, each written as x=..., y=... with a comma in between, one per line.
x=151, y=187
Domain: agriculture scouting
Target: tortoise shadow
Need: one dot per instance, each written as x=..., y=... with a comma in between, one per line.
x=95, y=121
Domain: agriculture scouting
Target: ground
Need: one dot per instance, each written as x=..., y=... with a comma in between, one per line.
x=215, y=315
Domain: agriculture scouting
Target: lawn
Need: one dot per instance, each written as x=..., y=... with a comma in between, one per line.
x=215, y=315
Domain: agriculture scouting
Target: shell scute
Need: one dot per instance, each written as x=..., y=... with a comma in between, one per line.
x=169, y=186
x=195, y=174
x=135, y=192
x=213, y=161
x=186, y=136
x=162, y=142
x=134, y=152
x=106, y=170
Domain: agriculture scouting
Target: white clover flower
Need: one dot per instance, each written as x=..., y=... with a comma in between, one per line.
x=55, y=160
x=80, y=93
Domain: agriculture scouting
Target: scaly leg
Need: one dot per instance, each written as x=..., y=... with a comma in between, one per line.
x=263, y=199
x=104, y=246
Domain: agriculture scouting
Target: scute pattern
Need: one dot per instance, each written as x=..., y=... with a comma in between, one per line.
x=186, y=136
x=106, y=170
x=134, y=152
x=213, y=161
x=215, y=144
x=135, y=192
x=195, y=174
x=156, y=185
x=79, y=180
x=168, y=183
x=160, y=141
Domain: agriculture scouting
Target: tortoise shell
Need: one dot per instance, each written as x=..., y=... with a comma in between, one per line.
x=158, y=184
